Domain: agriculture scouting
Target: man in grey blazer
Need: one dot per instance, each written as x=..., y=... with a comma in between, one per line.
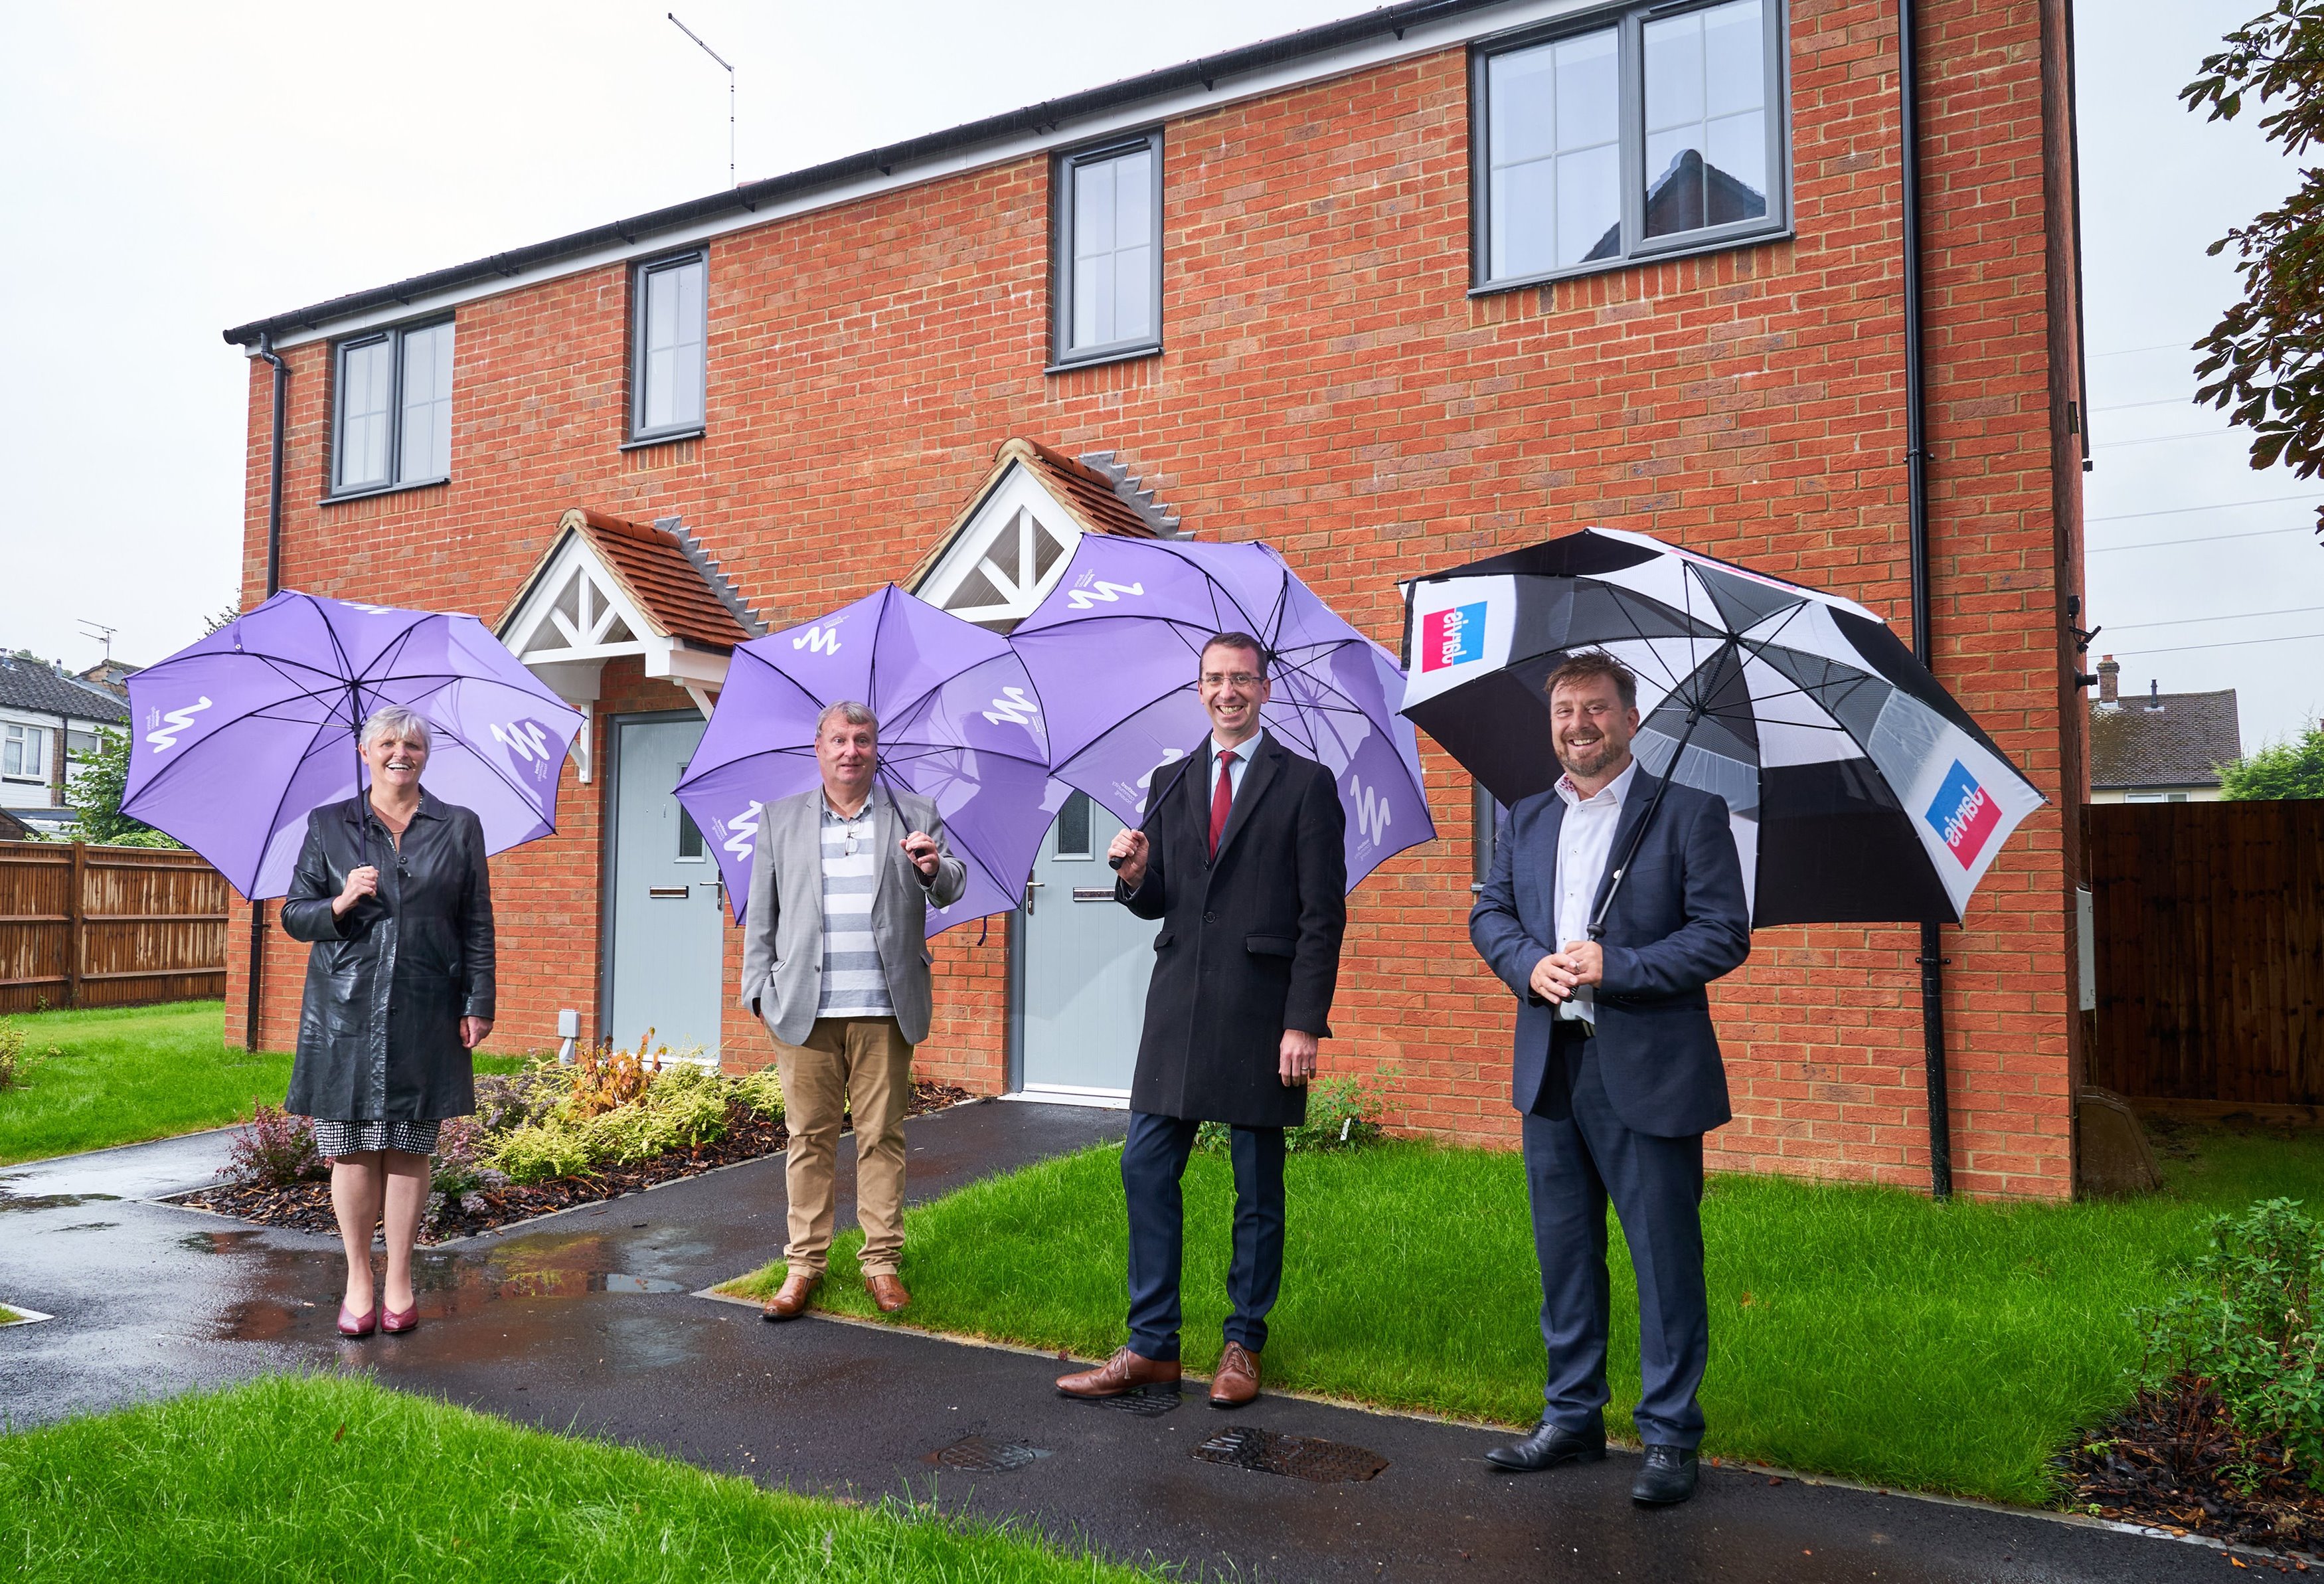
x=836, y=963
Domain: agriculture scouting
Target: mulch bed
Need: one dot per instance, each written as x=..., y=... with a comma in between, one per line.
x=2173, y=1461
x=306, y=1207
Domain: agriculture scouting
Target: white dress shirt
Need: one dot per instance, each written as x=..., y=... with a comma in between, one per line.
x=1242, y=752
x=1585, y=842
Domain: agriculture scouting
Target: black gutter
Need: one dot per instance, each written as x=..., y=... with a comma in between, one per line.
x=1916, y=496
x=1038, y=120
x=273, y=587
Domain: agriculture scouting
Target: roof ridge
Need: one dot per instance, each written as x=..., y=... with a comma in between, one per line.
x=720, y=583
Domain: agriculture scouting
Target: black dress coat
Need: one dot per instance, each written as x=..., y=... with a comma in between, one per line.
x=388, y=983
x=1249, y=944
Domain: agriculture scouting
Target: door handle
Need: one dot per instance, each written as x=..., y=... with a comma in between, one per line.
x=666, y=891
x=1030, y=887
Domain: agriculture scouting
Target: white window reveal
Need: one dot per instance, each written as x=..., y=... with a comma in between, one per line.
x=393, y=426
x=23, y=752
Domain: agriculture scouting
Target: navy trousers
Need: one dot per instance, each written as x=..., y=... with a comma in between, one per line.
x=1153, y=1162
x=1578, y=1154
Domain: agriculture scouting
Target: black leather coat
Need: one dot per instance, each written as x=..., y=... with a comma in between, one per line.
x=1249, y=944
x=387, y=984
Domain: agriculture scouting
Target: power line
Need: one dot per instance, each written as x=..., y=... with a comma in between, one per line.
x=2231, y=616
x=2229, y=644
x=2198, y=539
x=2215, y=506
x=2158, y=402
x=2158, y=346
x=2147, y=439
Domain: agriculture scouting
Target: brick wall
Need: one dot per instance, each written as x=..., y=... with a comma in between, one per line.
x=1330, y=386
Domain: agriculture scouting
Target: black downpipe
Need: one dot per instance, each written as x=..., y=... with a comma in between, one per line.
x=1916, y=496
x=273, y=587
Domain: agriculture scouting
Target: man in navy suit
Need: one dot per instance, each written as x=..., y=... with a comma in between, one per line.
x=1617, y=1067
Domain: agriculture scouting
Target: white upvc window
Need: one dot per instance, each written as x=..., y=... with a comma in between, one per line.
x=23, y=752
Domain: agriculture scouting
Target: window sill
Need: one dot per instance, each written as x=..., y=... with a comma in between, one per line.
x=647, y=441
x=1635, y=260
x=1099, y=359
x=365, y=495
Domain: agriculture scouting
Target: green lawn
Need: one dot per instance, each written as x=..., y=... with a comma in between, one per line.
x=123, y=1075
x=8, y=1317
x=1860, y=1331
x=303, y=1477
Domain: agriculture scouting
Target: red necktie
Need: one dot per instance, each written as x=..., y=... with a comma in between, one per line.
x=1221, y=800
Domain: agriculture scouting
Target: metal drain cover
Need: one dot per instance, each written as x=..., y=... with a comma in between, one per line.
x=1147, y=1402
x=1299, y=1457
x=977, y=1455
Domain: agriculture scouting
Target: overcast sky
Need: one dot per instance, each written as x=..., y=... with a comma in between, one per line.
x=175, y=169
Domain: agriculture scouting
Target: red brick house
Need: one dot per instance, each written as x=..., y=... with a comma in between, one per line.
x=1392, y=294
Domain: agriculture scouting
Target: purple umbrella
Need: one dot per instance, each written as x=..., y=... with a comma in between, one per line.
x=241, y=735
x=959, y=725
x=1114, y=648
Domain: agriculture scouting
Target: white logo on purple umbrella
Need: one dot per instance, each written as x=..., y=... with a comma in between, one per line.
x=1012, y=707
x=744, y=827
x=1370, y=807
x=524, y=738
x=165, y=738
x=1102, y=593
x=818, y=640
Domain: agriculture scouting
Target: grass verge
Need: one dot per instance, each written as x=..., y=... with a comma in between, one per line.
x=299, y=1478
x=123, y=1075
x=8, y=1317
x=1861, y=1331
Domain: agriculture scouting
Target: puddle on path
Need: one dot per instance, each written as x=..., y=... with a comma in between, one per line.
x=54, y=1201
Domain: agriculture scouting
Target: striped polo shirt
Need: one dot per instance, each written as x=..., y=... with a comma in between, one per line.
x=855, y=985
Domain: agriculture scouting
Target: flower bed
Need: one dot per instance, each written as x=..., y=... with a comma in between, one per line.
x=542, y=1140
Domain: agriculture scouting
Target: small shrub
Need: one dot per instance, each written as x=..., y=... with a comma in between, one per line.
x=273, y=1149
x=2248, y=1330
x=459, y=1170
x=554, y=1148
x=1342, y=1113
x=508, y=1101
x=606, y=1077
x=16, y=1063
x=761, y=1092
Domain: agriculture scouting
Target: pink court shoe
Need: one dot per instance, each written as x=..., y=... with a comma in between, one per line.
x=396, y=1321
x=349, y=1326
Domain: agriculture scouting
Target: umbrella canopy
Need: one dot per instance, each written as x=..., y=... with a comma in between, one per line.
x=241, y=735
x=958, y=724
x=1860, y=792
x=1115, y=647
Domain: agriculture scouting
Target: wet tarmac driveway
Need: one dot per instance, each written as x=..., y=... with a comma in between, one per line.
x=587, y=1321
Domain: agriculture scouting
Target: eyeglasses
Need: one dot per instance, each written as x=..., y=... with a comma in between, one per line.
x=1240, y=678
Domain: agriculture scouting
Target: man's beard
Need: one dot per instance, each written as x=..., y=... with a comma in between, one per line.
x=1589, y=760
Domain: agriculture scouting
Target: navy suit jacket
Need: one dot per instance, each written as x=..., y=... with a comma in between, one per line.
x=1679, y=921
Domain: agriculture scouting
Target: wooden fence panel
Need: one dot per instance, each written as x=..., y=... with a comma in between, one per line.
x=2209, y=920
x=107, y=926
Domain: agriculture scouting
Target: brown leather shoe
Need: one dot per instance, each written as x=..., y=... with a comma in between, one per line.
x=1237, y=1380
x=1125, y=1371
x=887, y=1292
x=791, y=1302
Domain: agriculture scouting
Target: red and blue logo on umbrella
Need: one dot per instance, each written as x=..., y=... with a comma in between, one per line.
x=1963, y=814
x=1452, y=637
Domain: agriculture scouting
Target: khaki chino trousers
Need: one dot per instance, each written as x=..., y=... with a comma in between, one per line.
x=860, y=1064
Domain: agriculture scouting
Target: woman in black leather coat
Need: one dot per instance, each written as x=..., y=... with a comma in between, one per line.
x=391, y=888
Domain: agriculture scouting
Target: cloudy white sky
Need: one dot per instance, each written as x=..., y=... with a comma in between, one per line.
x=173, y=168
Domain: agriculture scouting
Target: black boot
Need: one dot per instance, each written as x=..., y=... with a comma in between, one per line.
x=1668, y=1479
x=1549, y=1446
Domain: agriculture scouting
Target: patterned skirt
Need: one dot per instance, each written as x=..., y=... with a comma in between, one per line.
x=335, y=1139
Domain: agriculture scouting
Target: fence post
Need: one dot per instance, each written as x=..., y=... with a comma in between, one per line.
x=76, y=920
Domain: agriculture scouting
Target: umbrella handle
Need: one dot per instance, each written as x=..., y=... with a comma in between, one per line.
x=1155, y=803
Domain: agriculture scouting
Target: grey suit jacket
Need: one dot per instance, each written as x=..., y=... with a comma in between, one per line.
x=782, y=927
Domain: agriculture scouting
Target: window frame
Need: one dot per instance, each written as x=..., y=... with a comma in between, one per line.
x=638, y=432
x=1629, y=20
x=30, y=736
x=392, y=336
x=1063, y=355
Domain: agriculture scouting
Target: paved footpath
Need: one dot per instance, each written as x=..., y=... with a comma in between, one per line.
x=590, y=1320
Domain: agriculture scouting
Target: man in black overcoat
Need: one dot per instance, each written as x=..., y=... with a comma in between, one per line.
x=1244, y=860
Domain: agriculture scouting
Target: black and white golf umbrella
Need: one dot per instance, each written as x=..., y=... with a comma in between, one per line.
x=1860, y=792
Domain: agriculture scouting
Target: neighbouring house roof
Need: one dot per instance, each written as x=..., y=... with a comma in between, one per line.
x=666, y=574
x=13, y=829
x=2163, y=739
x=1216, y=79
x=46, y=821
x=36, y=685
x=1099, y=492
x=112, y=675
